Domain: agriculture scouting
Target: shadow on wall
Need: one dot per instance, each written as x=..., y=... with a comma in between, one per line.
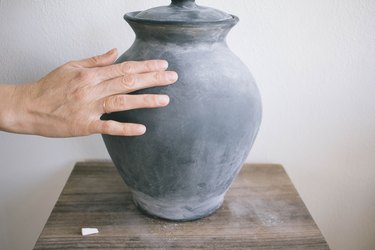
x=27, y=210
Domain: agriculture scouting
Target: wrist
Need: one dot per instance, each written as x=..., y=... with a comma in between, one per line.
x=13, y=109
x=7, y=112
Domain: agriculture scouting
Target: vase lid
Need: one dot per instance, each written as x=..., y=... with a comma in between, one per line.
x=182, y=11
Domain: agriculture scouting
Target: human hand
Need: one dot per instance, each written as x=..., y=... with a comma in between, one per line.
x=70, y=100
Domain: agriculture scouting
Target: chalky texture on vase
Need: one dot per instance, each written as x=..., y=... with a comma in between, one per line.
x=193, y=148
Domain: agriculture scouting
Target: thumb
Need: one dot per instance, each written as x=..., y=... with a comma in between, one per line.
x=100, y=60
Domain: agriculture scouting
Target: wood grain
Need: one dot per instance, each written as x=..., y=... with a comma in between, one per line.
x=262, y=210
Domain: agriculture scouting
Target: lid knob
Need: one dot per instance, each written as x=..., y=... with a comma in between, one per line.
x=183, y=3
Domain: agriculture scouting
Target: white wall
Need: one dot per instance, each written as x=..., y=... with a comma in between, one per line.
x=314, y=62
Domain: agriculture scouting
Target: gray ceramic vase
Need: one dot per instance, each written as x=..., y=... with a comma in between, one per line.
x=193, y=148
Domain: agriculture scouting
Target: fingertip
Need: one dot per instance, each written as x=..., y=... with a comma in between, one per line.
x=172, y=76
x=134, y=130
x=111, y=52
x=141, y=129
x=163, y=64
x=163, y=100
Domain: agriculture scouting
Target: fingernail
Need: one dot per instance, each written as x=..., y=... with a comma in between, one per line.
x=141, y=129
x=163, y=64
x=172, y=76
x=111, y=52
x=163, y=100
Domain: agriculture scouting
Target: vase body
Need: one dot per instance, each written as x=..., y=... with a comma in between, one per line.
x=193, y=148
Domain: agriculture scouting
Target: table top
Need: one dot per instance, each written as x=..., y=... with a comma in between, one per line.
x=262, y=210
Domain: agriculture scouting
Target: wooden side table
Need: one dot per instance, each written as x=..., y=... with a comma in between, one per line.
x=262, y=210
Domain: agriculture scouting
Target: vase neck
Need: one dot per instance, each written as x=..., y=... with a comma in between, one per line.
x=179, y=34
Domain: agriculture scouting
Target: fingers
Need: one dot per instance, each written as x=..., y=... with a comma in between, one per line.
x=127, y=102
x=131, y=83
x=123, y=103
x=106, y=84
x=130, y=67
x=117, y=128
x=98, y=61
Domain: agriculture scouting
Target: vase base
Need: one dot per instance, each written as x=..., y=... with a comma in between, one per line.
x=177, y=210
